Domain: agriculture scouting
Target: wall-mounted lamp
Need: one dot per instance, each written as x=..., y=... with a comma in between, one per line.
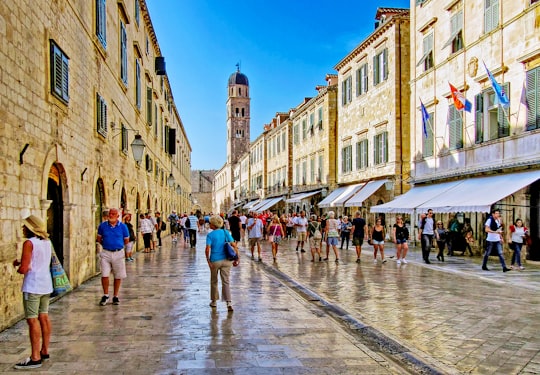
x=137, y=146
x=178, y=190
x=324, y=192
x=170, y=180
x=389, y=185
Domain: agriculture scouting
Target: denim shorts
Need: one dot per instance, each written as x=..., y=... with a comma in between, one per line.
x=333, y=241
x=375, y=242
x=398, y=241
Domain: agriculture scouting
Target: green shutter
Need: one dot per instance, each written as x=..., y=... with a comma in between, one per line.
x=533, y=99
x=503, y=125
x=479, y=118
x=385, y=63
x=375, y=70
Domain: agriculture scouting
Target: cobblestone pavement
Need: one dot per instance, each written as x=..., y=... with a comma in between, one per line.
x=459, y=317
x=165, y=326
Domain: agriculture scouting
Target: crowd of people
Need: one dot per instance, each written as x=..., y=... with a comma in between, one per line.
x=116, y=237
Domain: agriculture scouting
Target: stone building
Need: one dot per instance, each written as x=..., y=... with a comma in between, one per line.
x=84, y=88
x=468, y=161
x=201, y=189
x=373, y=152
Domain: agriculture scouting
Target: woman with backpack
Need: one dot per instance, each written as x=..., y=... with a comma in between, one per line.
x=315, y=236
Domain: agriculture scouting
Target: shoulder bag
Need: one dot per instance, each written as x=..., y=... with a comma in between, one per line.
x=230, y=253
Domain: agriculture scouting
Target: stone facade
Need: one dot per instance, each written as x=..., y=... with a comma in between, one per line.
x=70, y=110
x=373, y=109
x=201, y=189
x=489, y=139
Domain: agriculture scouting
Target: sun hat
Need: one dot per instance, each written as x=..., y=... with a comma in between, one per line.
x=36, y=226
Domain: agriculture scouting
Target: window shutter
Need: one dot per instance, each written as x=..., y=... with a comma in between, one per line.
x=358, y=79
x=343, y=93
x=149, y=106
x=385, y=145
x=385, y=63
x=494, y=14
x=65, y=78
x=375, y=70
x=479, y=118
x=365, y=83
x=366, y=153
x=503, y=126
x=533, y=99
x=488, y=24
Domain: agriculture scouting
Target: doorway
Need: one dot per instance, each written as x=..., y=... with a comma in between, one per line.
x=55, y=212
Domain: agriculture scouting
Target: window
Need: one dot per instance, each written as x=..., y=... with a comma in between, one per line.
x=456, y=32
x=137, y=12
x=455, y=126
x=491, y=15
x=491, y=120
x=304, y=129
x=428, y=145
x=278, y=143
x=321, y=166
x=138, y=83
x=101, y=115
x=346, y=90
x=101, y=22
x=124, y=144
x=123, y=53
x=148, y=163
x=304, y=171
x=296, y=134
x=380, y=148
x=311, y=123
x=297, y=173
x=319, y=122
x=427, y=57
x=156, y=123
x=362, y=154
x=380, y=67
x=283, y=140
x=59, y=73
x=533, y=99
x=149, y=106
x=362, y=80
x=147, y=46
x=346, y=159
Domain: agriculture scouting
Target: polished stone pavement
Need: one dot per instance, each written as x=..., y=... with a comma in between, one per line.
x=297, y=317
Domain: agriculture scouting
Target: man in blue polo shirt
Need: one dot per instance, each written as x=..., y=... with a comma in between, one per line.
x=112, y=235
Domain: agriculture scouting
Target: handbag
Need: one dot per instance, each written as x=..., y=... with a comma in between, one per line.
x=230, y=253
x=60, y=280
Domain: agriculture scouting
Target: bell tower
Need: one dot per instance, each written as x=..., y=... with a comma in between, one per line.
x=238, y=116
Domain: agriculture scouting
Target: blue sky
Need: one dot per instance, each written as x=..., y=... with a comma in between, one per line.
x=285, y=48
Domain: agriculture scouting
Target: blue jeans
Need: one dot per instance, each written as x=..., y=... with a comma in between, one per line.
x=499, y=247
x=516, y=257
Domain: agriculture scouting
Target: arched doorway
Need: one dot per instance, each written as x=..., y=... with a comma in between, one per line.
x=534, y=225
x=55, y=213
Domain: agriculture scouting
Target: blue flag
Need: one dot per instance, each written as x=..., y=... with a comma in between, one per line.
x=425, y=118
x=502, y=97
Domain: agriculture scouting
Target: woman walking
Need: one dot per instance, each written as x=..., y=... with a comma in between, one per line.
x=218, y=262
x=276, y=233
x=345, y=232
x=516, y=236
x=129, y=246
x=377, y=239
x=332, y=234
x=401, y=236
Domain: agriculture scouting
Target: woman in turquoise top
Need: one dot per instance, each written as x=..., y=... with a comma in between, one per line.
x=218, y=262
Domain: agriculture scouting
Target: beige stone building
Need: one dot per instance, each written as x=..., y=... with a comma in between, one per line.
x=465, y=162
x=83, y=85
x=313, y=149
x=202, y=190
x=373, y=147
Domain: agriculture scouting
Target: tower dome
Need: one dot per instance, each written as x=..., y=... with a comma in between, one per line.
x=238, y=78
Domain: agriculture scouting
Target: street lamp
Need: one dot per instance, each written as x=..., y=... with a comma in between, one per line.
x=170, y=180
x=137, y=147
x=178, y=190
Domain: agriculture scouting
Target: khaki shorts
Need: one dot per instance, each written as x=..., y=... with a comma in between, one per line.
x=301, y=236
x=113, y=261
x=254, y=241
x=315, y=244
x=35, y=304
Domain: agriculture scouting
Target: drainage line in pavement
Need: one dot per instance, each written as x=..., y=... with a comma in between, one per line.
x=386, y=344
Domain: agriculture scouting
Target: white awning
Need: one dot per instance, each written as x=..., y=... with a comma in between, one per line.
x=336, y=194
x=297, y=198
x=347, y=195
x=250, y=204
x=269, y=204
x=407, y=203
x=367, y=191
x=259, y=204
x=478, y=194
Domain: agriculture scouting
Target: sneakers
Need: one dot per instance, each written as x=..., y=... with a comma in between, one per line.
x=104, y=300
x=358, y=260
x=384, y=260
x=302, y=250
x=374, y=261
x=398, y=262
x=44, y=357
x=404, y=261
x=213, y=304
x=115, y=301
x=521, y=268
x=28, y=363
x=229, y=306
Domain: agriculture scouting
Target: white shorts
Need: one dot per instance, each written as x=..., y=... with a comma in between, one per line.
x=113, y=261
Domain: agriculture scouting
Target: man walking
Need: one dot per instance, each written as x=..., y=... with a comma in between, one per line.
x=235, y=226
x=192, y=223
x=359, y=230
x=493, y=228
x=113, y=235
x=301, y=223
x=159, y=220
x=173, y=223
x=425, y=235
x=255, y=232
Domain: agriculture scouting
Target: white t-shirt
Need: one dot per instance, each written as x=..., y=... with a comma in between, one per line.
x=301, y=224
x=243, y=219
x=493, y=237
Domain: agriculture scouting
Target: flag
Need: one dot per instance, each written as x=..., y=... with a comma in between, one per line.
x=425, y=118
x=502, y=98
x=523, y=100
x=460, y=101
